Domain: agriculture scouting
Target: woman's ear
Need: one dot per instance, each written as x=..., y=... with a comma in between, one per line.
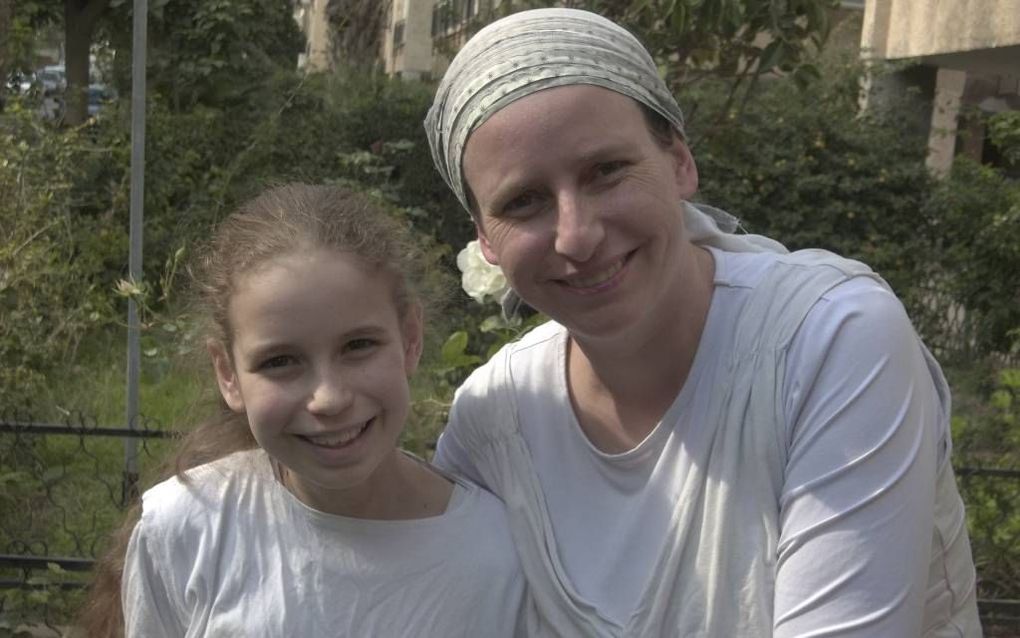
x=413, y=331
x=685, y=168
x=226, y=377
x=483, y=243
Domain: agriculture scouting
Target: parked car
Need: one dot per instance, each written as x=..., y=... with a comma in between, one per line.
x=99, y=95
x=51, y=79
x=19, y=82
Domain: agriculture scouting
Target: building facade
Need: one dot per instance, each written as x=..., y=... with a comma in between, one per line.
x=971, y=52
x=423, y=35
x=961, y=55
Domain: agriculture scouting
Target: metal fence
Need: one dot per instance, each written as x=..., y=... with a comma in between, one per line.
x=65, y=489
x=992, y=496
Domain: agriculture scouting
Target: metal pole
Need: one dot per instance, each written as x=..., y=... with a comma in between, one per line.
x=134, y=360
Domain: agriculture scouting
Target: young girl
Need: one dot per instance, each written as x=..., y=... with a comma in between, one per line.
x=295, y=514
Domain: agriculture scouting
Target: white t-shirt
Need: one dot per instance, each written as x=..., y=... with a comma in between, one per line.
x=865, y=479
x=234, y=553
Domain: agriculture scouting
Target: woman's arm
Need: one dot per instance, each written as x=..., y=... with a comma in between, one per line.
x=865, y=429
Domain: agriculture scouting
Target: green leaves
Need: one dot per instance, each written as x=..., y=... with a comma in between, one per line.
x=454, y=352
x=771, y=56
x=808, y=168
x=1004, y=131
x=49, y=255
x=805, y=75
x=978, y=213
x=211, y=52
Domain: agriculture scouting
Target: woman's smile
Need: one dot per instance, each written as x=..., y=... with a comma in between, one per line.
x=597, y=280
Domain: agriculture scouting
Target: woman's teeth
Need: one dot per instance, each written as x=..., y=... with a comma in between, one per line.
x=591, y=281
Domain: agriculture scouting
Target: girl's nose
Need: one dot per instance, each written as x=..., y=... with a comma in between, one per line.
x=579, y=229
x=330, y=395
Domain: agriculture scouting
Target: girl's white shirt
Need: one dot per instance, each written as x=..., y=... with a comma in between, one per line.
x=234, y=553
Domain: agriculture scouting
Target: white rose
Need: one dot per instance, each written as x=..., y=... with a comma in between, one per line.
x=479, y=278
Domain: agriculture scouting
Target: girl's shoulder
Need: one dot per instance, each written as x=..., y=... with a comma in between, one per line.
x=202, y=492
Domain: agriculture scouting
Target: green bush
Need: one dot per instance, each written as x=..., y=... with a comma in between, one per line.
x=811, y=170
x=50, y=294
x=977, y=252
x=1004, y=131
x=986, y=434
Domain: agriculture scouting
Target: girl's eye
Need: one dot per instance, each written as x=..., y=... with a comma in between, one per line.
x=361, y=344
x=276, y=362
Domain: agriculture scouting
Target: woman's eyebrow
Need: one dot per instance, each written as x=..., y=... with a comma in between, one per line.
x=605, y=151
x=509, y=188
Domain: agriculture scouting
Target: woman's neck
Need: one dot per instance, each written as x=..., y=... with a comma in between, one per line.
x=620, y=389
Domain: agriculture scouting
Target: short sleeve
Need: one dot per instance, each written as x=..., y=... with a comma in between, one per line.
x=149, y=607
x=451, y=455
x=482, y=411
x=857, y=503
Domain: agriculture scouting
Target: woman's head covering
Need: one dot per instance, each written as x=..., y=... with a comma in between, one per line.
x=544, y=48
x=527, y=52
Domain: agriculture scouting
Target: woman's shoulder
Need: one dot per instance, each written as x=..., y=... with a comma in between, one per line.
x=473, y=501
x=749, y=269
x=484, y=406
x=538, y=346
x=479, y=519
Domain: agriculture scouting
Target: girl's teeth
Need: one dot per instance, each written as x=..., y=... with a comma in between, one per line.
x=340, y=438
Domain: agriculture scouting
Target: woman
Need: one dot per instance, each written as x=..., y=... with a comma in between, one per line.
x=712, y=437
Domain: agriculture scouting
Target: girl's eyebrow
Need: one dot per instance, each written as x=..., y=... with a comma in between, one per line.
x=264, y=350
x=274, y=347
x=366, y=330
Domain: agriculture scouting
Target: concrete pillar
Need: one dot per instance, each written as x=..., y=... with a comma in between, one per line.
x=317, y=34
x=418, y=39
x=949, y=85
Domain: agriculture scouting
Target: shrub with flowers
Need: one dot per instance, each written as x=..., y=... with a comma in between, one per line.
x=481, y=280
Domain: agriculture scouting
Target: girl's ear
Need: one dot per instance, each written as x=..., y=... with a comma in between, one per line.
x=226, y=378
x=413, y=329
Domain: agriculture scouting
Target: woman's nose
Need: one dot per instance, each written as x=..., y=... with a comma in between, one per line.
x=579, y=230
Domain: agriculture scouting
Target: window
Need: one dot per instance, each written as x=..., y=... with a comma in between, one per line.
x=442, y=13
x=398, y=35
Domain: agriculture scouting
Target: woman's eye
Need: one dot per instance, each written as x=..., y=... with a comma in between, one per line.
x=520, y=204
x=606, y=169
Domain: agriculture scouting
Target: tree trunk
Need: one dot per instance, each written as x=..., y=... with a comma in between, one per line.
x=80, y=17
x=6, y=16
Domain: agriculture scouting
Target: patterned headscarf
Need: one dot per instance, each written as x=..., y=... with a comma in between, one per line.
x=527, y=52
